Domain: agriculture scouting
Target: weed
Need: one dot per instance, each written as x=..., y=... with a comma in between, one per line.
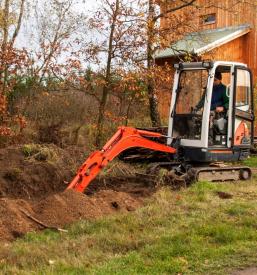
x=45, y=153
x=39, y=152
x=237, y=209
x=251, y=162
x=201, y=189
x=30, y=149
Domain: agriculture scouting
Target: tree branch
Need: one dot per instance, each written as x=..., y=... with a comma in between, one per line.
x=186, y=4
x=17, y=29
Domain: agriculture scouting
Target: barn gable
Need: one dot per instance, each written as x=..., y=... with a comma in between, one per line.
x=224, y=30
x=214, y=25
x=199, y=43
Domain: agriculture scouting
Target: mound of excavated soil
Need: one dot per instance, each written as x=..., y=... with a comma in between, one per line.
x=32, y=195
x=27, y=178
x=13, y=223
x=70, y=206
x=59, y=209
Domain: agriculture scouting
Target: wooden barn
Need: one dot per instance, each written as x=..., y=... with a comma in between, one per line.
x=225, y=31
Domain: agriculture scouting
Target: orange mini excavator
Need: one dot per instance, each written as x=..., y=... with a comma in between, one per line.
x=197, y=139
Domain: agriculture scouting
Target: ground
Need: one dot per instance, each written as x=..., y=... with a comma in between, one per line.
x=119, y=226
x=33, y=196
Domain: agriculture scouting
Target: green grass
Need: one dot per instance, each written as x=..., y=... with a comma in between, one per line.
x=191, y=231
x=251, y=162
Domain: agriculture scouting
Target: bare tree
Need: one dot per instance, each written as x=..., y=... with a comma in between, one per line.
x=154, y=36
x=12, y=15
x=115, y=24
x=57, y=25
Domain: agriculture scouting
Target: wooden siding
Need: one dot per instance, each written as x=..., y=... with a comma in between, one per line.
x=228, y=13
x=243, y=13
x=233, y=50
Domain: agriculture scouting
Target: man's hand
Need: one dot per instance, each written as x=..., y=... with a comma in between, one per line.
x=219, y=109
x=194, y=110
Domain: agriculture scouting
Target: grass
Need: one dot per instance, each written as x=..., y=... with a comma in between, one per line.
x=39, y=152
x=251, y=162
x=191, y=231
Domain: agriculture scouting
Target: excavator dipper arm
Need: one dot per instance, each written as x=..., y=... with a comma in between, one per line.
x=124, y=138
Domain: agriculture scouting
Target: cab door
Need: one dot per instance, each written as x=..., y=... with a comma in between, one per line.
x=243, y=114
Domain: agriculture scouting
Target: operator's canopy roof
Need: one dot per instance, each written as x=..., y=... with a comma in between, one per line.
x=197, y=43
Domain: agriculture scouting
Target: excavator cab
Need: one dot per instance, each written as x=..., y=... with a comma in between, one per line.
x=198, y=131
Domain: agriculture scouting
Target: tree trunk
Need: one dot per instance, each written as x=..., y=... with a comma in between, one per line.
x=100, y=121
x=8, y=45
x=4, y=73
x=103, y=101
x=152, y=97
x=75, y=134
x=153, y=105
x=128, y=110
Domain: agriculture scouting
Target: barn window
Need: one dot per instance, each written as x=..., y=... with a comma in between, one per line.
x=208, y=19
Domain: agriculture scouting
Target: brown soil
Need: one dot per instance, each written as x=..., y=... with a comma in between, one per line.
x=12, y=221
x=248, y=271
x=70, y=206
x=32, y=191
x=27, y=178
x=59, y=209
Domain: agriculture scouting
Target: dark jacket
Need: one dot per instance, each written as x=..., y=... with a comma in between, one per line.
x=219, y=98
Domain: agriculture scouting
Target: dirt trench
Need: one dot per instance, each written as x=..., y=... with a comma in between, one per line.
x=33, y=196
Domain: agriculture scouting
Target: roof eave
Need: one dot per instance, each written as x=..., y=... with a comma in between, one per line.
x=178, y=54
x=222, y=41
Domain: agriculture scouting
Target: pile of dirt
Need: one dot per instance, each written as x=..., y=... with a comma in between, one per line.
x=19, y=216
x=70, y=206
x=27, y=178
x=13, y=223
x=33, y=180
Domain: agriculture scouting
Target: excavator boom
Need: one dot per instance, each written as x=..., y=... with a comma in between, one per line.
x=124, y=138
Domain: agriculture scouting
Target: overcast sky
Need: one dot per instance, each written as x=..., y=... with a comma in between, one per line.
x=91, y=3
x=28, y=23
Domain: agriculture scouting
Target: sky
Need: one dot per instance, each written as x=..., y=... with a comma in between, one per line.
x=89, y=4
x=24, y=38
x=28, y=36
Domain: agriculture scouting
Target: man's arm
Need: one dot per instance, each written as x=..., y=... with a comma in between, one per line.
x=200, y=104
x=225, y=98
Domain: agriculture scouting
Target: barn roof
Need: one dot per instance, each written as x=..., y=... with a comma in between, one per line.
x=200, y=42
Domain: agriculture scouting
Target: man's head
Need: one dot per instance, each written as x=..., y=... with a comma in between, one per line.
x=217, y=78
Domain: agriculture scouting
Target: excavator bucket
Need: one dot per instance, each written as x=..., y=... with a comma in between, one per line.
x=123, y=139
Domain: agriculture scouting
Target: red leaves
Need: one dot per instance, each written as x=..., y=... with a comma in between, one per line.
x=3, y=104
x=5, y=131
x=13, y=63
